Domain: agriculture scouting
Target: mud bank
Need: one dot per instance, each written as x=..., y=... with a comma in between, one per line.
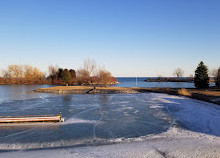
x=85, y=90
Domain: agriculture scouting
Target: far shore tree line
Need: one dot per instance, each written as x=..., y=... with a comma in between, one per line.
x=88, y=74
x=22, y=74
x=201, y=78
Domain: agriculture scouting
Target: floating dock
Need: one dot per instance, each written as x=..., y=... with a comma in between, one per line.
x=31, y=119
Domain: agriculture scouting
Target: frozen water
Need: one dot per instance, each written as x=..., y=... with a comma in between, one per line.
x=176, y=142
x=146, y=119
x=89, y=119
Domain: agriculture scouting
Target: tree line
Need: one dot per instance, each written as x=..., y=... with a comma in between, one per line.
x=22, y=74
x=88, y=74
x=201, y=78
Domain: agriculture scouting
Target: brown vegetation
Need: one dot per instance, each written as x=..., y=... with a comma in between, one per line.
x=85, y=89
x=88, y=74
x=22, y=74
x=209, y=95
x=184, y=92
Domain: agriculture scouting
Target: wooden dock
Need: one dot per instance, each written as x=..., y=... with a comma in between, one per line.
x=31, y=119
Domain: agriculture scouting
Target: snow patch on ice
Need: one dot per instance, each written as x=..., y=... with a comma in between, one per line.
x=176, y=142
x=123, y=108
x=136, y=111
x=156, y=107
x=78, y=121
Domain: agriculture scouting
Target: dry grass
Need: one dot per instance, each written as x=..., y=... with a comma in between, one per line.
x=207, y=92
x=83, y=87
x=184, y=92
x=205, y=95
x=68, y=87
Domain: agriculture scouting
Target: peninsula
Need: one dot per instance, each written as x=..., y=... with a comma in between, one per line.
x=210, y=94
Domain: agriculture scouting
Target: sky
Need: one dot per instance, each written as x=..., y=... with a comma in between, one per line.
x=130, y=38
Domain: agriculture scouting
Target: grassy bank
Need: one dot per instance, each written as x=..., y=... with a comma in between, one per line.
x=209, y=95
x=85, y=89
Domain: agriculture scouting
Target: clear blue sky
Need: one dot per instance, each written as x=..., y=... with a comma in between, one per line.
x=129, y=37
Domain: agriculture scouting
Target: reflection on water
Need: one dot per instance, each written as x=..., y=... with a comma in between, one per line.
x=19, y=92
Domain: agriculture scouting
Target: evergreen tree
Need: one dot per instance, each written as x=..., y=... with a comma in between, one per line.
x=59, y=73
x=217, y=80
x=201, y=79
x=66, y=77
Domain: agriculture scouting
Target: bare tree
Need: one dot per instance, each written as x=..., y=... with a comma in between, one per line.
x=5, y=74
x=16, y=71
x=83, y=76
x=213, y=72
x=32, y=73
x=178, y=72
x=105, y=77
x=23, y=74
x=83, y=73
x=53, y=71
x=28, y=72
x=90, y=66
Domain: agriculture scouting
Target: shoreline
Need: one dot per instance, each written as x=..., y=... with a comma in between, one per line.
x=209, y=95
x=85, y=90
x=176, y=142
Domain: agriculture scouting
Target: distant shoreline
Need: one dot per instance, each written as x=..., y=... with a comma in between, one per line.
x=169, y=79
x=173, y=79
x=210, y=95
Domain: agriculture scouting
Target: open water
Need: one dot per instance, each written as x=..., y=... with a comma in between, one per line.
x=139, y=82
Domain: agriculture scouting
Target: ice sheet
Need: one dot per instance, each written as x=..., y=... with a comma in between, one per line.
x=138, y=125
x=176, y=142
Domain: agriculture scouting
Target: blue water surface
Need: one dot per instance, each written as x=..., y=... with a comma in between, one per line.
x=139, y=82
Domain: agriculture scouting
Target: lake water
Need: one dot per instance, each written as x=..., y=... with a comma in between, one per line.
x=131, y=82
x=99, y=119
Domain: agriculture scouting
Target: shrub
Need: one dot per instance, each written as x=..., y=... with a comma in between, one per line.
x=184, y=92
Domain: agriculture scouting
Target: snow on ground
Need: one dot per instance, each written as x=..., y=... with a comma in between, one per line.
x=198, y=116
x=176, y=142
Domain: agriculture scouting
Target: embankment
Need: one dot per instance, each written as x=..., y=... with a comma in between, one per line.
x=85, y=90
x=210, y=95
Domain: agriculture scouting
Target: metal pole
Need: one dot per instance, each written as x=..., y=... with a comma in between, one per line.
x=136, y=82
